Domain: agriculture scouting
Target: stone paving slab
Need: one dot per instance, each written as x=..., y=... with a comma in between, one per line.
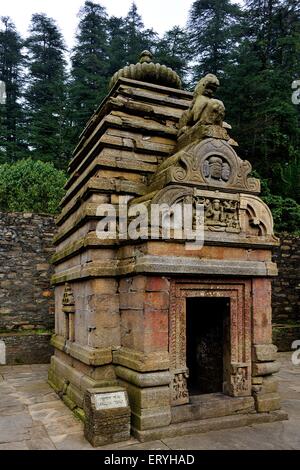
x=32, y=417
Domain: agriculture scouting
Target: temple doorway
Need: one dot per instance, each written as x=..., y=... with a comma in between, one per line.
x=207, y=343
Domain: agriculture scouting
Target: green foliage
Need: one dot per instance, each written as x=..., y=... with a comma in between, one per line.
x=117, y=44
x=286, y=213
x=46, y=92
x=11, y=115
x=137, y=38
x=31, y=186
x=290, y=176
x=173, y=51
x=285, y=210
x=213, y=32
x=90, y=65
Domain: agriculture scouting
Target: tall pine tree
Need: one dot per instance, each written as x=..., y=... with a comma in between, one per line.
x=46, y=93
x=258, y=87
x=90, y=72
x=212, y=27
x=12, y=145
x=137, y=37
x=117, y=44
x=173, y=51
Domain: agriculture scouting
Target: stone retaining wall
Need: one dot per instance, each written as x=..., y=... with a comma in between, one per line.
x=26, y=297
x=286, y=293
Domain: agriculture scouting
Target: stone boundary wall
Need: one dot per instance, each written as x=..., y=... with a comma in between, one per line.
x=26, y=297
x=286, y=292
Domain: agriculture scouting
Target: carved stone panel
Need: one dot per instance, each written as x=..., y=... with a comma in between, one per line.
x=239, y=383
x=211, y=163
x=220, y=215
x=216, y=168
x=68, y=307
x=237, y=364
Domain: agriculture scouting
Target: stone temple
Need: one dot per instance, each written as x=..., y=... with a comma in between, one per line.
x=184, y=329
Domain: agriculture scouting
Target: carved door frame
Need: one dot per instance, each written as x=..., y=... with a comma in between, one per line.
x=238, y=376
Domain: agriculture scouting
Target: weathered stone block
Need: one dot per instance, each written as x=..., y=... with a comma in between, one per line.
x=262, y=311
x=257, y=380
x=155, y=341
x=265, y=368
x=267, y=402
x=151, y=379
x=157, y=284
x=152, y=418
x=264, y=352
x=268, y=385
x=137, y=360
x=132, y=301
x=150, y=397
x=107, y=416
x=156, y=301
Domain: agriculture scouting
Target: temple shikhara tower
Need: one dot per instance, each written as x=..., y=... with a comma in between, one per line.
x=184, y=330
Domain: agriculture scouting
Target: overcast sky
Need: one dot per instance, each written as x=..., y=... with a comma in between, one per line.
x=161, y=15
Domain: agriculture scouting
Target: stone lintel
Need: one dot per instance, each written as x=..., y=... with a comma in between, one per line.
x=184, y=265
x=152, y=379
x=141, y=362
x=85, y=354
x=167, y=265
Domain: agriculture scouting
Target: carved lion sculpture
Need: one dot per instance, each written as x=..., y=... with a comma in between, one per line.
x=204, y=108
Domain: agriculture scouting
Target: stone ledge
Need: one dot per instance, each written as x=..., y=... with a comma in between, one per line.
x=264, y=352
x=141, y=362
x=152, y=379
x=85, y=354
x=265, y=368
x=205, y=425
x=212, y=405
x=186, y=265
x=167, y=266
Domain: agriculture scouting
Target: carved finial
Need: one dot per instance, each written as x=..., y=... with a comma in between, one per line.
x=146, y=56
x=147, y=70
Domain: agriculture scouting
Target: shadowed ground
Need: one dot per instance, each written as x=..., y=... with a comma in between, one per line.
x=33, y=417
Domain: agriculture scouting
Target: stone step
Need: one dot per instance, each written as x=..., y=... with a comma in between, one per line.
x=206, y=425
x=212, y=405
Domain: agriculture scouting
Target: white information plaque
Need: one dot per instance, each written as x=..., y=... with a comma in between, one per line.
x=105, y=401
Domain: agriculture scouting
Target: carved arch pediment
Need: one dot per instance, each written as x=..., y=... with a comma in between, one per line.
x=212, y=164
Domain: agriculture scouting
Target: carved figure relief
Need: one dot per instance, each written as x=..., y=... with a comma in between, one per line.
x=68, y=307
x=180, y=394
x=223, y=211
x=239, y=380
x=220, y=215
x=216, y=168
